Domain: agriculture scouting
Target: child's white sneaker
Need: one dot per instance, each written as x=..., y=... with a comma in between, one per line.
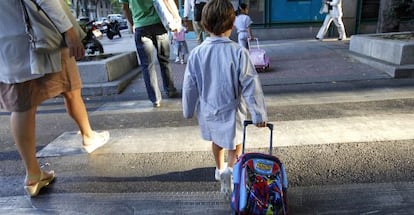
x=177, y=59
x=226, y=179
x=218, y=172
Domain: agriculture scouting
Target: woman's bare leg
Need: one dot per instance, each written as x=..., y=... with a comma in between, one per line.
x=23, y=126
x=77, y=110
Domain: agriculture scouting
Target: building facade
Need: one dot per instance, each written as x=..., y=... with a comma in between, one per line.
x=275, y=19
x=287, y=19
x=93, y=9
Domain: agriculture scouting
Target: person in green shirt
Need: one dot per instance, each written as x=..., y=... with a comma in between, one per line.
x=150, y=37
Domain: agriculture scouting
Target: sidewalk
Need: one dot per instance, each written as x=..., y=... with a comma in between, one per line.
x=293, y=63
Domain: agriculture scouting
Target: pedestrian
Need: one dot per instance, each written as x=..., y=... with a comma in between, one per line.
x=242, y=25
x=196, y=6
x=220, y=82
x=23, y=87
x=180, y=44
x=150, y=37
x=334, y=14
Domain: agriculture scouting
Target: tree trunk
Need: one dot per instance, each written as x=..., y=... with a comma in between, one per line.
x=388, y=19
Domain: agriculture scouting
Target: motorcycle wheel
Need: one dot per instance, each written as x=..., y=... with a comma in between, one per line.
x=98, y=46
x=110, y=35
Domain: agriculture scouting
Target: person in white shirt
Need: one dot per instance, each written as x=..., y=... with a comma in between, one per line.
x=334, y=14
x=242, y=25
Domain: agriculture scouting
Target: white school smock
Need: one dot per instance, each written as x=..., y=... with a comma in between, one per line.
x=242, y=23
x=220, y=81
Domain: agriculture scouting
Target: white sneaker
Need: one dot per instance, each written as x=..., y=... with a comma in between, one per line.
x=218, y=172
x=177, y=59
x=226, y=178
x=100, y=139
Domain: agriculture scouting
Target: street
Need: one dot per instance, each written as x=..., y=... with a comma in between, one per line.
x=339, y=140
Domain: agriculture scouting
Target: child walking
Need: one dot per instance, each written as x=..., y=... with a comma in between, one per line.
x=242, y=25
x=180, y=45
x=220, y=82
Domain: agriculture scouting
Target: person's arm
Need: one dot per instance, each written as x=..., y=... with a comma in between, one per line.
x=175, y=15
x=127, y=13
x=333, y=2
x=187, y=8
x=73, y=42
x=56, y=13
x=252, y=90
x=190, y=96
x=249, y=29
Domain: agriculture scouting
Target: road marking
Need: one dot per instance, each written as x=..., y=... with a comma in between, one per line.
x=287, y=133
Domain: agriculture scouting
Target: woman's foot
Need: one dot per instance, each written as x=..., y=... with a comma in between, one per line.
x=97, y=140
x=35, y=184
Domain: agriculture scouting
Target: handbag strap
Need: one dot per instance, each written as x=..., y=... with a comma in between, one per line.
x=27, y=19
x=27, y=23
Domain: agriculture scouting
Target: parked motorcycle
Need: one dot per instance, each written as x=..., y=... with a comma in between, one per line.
x=113, y=29
x=90, y=42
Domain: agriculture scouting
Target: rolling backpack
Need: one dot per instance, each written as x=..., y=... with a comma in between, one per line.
x=260, y=182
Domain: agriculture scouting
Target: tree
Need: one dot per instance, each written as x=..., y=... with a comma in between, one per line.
x=117, y=7
x=391, y=12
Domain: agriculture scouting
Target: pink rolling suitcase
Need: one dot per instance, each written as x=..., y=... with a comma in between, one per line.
x=259, y=57
x=260, y=182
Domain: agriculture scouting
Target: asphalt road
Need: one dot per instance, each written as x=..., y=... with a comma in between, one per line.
x=336, y=163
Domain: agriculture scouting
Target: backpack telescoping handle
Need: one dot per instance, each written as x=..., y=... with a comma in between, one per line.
x=249, y=122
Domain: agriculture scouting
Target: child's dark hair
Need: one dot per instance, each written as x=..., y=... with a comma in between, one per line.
x=218, y=16
x=243, y=6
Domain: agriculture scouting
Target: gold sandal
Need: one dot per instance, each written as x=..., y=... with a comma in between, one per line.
x=33, y=190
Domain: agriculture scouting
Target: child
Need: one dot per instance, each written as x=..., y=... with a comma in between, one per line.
x=242, y=25
x=220, y=81
x=180, y=45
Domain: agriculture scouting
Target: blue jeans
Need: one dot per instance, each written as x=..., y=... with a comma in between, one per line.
x=151, y=40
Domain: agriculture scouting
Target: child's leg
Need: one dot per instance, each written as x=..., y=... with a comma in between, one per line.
x=233, y=155
x=218, y=153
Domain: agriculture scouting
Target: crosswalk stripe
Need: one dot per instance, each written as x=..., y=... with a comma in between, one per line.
x=287, y=133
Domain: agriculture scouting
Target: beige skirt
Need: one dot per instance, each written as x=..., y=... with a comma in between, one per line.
x=21, y=97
